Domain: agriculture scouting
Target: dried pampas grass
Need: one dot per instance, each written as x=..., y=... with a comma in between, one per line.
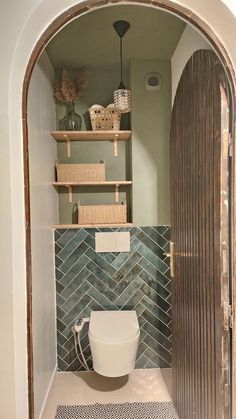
x=69, y=91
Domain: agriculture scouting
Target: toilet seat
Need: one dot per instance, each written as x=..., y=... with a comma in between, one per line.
x=113, y=338
x=113, y=326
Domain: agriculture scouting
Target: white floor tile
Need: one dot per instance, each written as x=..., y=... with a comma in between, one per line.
x=89, y=388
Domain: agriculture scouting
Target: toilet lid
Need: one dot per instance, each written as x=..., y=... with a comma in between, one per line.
x=113, y=325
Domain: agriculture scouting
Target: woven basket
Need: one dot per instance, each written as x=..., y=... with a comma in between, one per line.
x=80, y=172
x=104, y=118
x=102, y=214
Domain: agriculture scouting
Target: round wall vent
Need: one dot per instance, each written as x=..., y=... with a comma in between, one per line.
x=153, y=81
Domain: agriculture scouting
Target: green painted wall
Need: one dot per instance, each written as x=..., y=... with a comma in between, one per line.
x=102, y=83
x=150, y=121
x=145, y=159
x=90, y=40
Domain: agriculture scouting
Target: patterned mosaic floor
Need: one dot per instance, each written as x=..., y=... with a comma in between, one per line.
x=152, y=410
x=137, y=280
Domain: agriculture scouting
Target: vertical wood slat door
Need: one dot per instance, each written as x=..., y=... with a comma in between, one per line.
x=199, y=221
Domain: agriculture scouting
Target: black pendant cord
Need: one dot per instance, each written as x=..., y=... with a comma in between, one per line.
x=121, y=85
x=121, y=27
x=121, y=62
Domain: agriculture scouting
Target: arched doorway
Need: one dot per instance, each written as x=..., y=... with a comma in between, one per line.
x=48, y=34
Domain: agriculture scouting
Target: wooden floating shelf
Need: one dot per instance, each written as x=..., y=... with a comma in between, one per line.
x=101, y=183
x=67, y=226
x=116, y=183
x=90, y=135
x=100, y=135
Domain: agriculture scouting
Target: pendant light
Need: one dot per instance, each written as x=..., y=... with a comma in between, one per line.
x=122, y=96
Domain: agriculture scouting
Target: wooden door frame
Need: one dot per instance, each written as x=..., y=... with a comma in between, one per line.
x=86, y=6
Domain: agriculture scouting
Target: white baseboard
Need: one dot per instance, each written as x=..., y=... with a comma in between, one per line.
x=52, y=380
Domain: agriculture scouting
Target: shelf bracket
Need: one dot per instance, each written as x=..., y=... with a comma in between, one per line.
x=70, y=194
x=68, y=146
x=117, y=193
x=115, y=145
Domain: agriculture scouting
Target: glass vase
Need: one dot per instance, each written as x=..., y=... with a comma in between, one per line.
x=71, y=121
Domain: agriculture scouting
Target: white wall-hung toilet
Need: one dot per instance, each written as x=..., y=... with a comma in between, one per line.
x=114, y=337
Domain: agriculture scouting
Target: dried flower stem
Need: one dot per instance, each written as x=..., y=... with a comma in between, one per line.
x=69, y=91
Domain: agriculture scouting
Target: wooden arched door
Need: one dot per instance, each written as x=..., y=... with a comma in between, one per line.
x=200, y=154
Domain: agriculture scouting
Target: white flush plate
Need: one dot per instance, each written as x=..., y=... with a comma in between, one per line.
x=112, y=242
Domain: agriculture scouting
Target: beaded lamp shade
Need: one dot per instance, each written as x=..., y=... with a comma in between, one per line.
x=122, y=100
x=122, y=96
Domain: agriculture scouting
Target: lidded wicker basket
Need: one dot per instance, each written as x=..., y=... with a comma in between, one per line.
x=93, y=172
x=102, y=214
x=104, y=118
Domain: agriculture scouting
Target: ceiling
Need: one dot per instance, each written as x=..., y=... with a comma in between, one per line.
x=90, y=40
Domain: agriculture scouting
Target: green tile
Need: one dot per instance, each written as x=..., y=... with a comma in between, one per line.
x=156, y=334
x=61, y=327
x=60, y=313
x=157, y=323
x=61, y=351
x=141, y=349
x=130, y=277
x=141, y=362
x=62, y=366
x=74, y=366
x=96, y=258
x=109, y=257
x=61, y=338
x=76, y=284
x=151, y=245
x=69, y=343
x=127, y=266
x=93, y=280
x=128, y=292
x=137, y=280
x=155, y=236
x=90, y=240
x=67, y=250
x=57, y=235
x=167, y=233
x=157, y=347
x=153, y=272
x=156, y=359
x=94, y=306
x=101, y=274
x=60, y=300
x=134, y=299
x=74, y=298
x=143, y=334
x=73, y=258
x=75, y=270
x=151, y=364
x=57, y=249
x=73, y=313
x=153, y=258
x=101, y=299
x=154, y=285
x=139, y=308
x=58, y=262
x=124, y=256
x=59, y=287
x=59, y=274
x=66, y=237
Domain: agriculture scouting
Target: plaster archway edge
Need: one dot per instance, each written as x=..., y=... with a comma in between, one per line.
x=62, y=19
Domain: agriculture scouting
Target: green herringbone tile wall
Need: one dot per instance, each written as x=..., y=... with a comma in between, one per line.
x=138, y=280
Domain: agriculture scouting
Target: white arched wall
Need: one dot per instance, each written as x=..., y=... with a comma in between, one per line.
x=189, y=42
x=22, y=23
